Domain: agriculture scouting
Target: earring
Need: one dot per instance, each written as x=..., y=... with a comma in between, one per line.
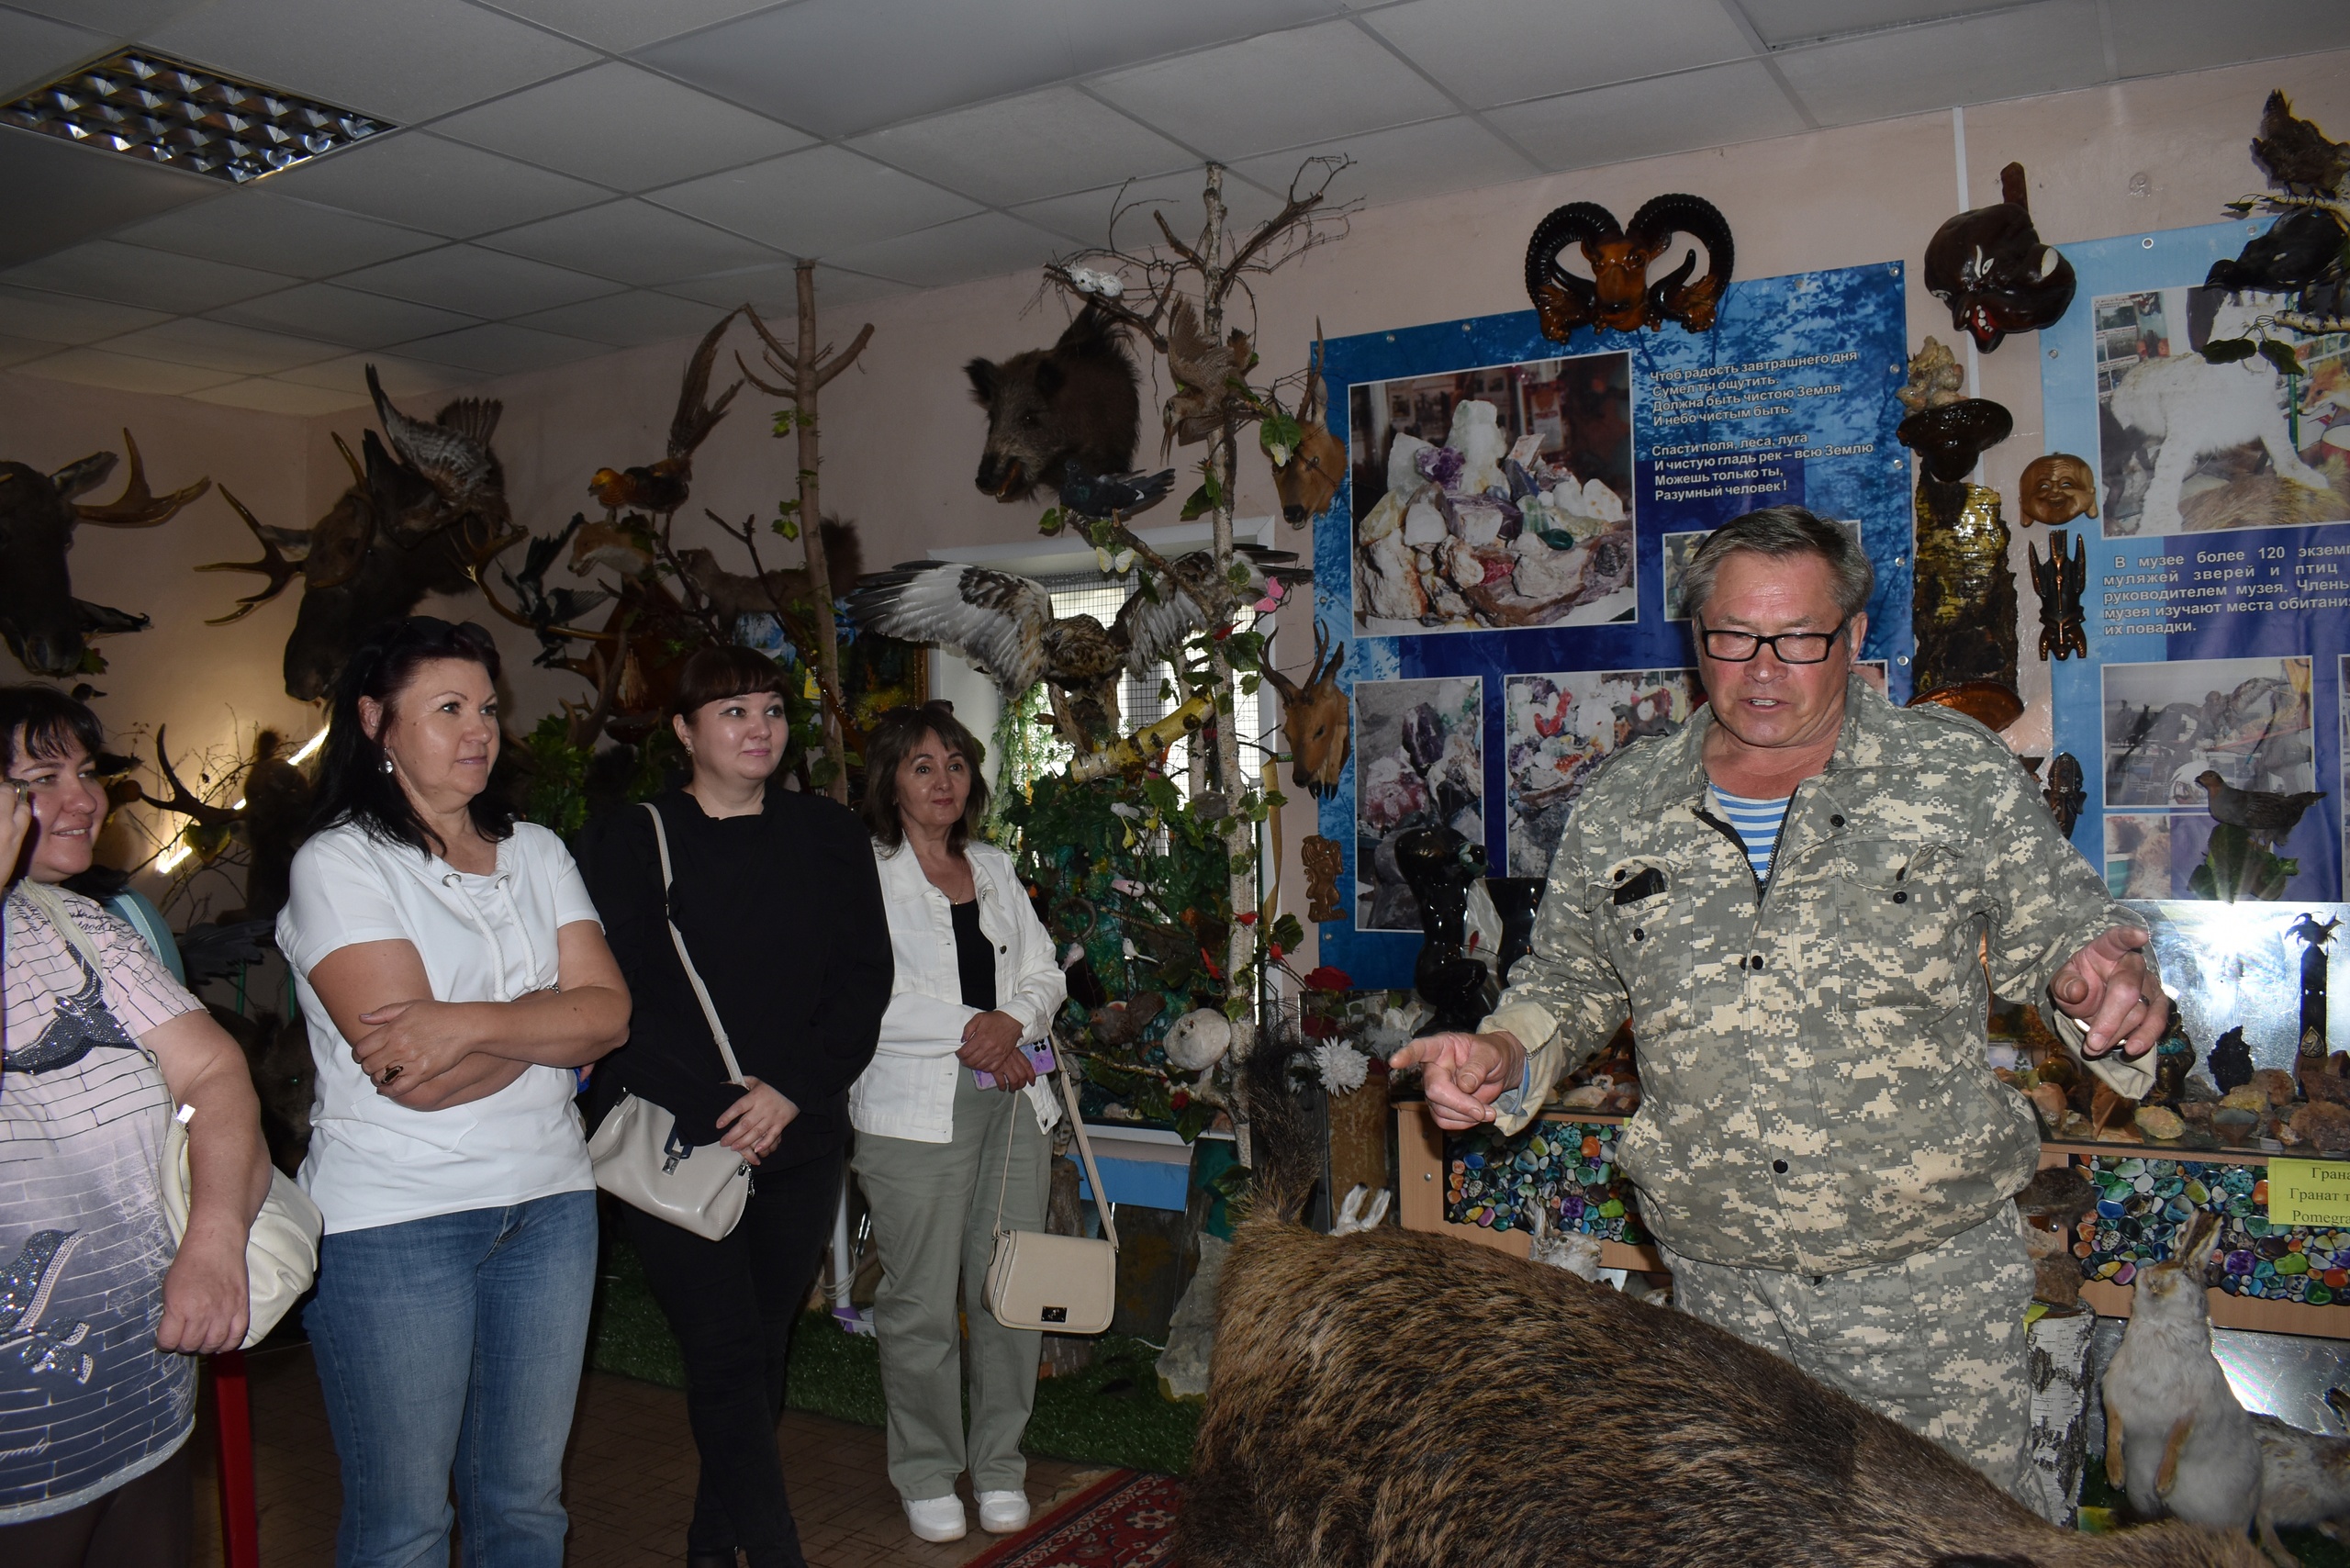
x=387, y=763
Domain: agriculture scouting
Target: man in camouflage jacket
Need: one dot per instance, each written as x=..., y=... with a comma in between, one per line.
x=1821, y=1150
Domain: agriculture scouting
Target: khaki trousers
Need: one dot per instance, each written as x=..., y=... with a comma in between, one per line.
x=933, y=1220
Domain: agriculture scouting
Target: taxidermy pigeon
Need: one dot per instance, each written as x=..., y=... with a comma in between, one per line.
x=660, y=488
x=2268, y=817
x=1107, y=495
x=2295, y=154
x=452, y=452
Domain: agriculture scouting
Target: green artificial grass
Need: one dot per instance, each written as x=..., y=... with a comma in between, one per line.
x=2314, y=1550
x=1111, y=1413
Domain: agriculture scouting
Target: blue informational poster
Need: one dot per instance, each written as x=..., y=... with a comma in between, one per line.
x=1503, y=563
x=2207, y=718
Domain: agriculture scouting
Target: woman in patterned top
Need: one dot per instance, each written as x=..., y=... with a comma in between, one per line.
x=100, y=1319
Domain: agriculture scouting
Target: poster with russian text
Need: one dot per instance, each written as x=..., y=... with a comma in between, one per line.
x=2207, y=716
x=1508, y=550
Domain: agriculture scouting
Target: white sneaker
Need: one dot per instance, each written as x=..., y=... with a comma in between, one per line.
x=937, y=1519
x=1001, y=1513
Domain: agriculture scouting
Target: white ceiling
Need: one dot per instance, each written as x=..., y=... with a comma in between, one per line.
x=577, y=176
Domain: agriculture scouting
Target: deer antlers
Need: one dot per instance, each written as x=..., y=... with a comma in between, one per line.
x=183, y=800
x=139, y=507
x=272, y=564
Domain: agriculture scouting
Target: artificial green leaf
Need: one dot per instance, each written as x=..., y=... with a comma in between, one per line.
x=1279, y=435
x=1197, y=503
x=2230, y=351
x=1288, y=935
x=2281, y=355
x=1050, y=523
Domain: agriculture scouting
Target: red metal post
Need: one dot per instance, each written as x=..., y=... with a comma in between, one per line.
x=232, y=1408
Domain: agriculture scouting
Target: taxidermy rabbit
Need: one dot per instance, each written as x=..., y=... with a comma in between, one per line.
x=1575, y=1251
x=2304, y=1481
x=1353, y=1215
x=2174, y=1434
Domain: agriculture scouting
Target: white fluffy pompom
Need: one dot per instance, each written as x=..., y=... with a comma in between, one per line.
x=1342, y=1067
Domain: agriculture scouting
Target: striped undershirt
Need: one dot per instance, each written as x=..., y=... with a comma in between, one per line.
x=1757, y=824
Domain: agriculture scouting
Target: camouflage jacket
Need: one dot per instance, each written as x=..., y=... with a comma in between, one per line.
x=1816, y=1094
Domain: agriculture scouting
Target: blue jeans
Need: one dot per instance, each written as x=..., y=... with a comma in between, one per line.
x=455, y=1341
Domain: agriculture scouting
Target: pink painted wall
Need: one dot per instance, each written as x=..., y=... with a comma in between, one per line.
x=902, y=437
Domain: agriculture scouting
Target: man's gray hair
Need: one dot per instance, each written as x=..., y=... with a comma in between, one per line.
x=1780, y=532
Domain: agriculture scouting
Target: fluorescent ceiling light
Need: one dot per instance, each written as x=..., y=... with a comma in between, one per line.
x=160, y=110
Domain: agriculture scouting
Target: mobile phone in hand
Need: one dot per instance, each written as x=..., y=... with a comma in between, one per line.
x=1040, y=1057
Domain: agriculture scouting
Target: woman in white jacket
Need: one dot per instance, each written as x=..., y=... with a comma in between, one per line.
x=937, y=1154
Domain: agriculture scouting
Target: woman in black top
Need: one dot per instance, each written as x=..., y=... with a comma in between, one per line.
x=776, y=895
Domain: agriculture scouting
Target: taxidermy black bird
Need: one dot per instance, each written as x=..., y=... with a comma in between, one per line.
x=1098, y=496
x=2299, y=249
x=452, y=452
x=2295, y=154
x=2268, y=817
x=659, y=488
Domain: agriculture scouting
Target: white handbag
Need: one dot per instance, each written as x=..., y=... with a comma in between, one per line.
x=636, y=1152
x=1067, y=1284
x=282, y=1249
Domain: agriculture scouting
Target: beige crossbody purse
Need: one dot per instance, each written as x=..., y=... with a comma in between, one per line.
x=1065, y=1283
x=638, y=1156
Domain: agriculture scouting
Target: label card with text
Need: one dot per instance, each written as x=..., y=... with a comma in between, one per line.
x=2309, y=1191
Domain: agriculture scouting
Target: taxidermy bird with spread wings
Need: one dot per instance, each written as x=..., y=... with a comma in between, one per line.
x=1005, y=626
x=659, y=488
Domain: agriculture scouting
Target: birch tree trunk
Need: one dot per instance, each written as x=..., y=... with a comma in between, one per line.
x=811, y=535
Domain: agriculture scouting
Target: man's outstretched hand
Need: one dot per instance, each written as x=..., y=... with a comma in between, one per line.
x=2109, y=986
x=1464, y=1074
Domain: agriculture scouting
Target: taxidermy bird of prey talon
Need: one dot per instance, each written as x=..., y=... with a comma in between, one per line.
x=2268, y=817
x=660, y=488
x=1204, y=371
x=2295, y=154
x=452, y=452
x=1099, y=495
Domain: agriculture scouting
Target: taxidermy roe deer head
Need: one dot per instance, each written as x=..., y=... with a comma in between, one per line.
x=46, y=627
x=1314, y=720
x=1317, y=465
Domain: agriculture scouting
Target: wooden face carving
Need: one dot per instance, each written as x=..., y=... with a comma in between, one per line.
x=2057, y=488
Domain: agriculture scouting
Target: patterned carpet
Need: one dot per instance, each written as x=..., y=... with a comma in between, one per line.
x=1124, y=1520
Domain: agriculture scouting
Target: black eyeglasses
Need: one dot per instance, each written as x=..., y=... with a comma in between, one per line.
x=1788, y=647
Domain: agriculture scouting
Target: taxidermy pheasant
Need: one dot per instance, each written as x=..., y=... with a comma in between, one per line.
x=2295, y=154
x=659, y=488
x=452, y=452
x=2268, y=817
x=1098, y=496
x=1204, y=370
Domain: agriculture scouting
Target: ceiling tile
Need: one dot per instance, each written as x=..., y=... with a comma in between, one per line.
x=774, y=291
x=343, y=316
x=132, y=274
x=436, y=186
x=401, y=378
x=633, y=241
x=35, y=51
x=626, y=320
x=2040, y=48
x=400, y=59
x=1497, y=51
x=1785, y=22
x=477, y=282
x=621, y=25
x=125, y=373
x=254, y=227
x=2156, y=36
x=816, y=202
x=838, y=67
x=1714, y=107
x=16, y=351
x=268, y=394
x=221, y=345
x=1087, y=215
x=1454, y=154
x=58, y=193
x=1041, y=144
x=986, y=244
x=499, y=348
x=1281, y=90
x=63, y=319
x=621, y=127
x=116, y=18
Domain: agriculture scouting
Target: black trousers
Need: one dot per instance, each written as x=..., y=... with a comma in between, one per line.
x=733, y=1305
x=146, y=1523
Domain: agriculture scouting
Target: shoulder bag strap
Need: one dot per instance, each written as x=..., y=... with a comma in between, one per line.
x=676, y=938
x=1085, y=1151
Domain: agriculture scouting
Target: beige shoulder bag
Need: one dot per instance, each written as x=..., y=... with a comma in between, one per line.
x=638, y=1156
x=1065, y=1283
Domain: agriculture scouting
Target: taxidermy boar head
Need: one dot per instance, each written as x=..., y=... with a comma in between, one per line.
x=46, y=627
x=1075, y=402
x=1990, y=268
x=1619, y=294
x=1314, y=720
x=1317, y=465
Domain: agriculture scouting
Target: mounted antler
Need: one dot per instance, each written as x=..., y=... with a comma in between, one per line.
x=272, y=564
x=1618, y=294
x=139, y=507
x=184, y=801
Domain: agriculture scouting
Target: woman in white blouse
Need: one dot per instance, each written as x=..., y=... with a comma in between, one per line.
x=453, y=976
x=976, y=979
